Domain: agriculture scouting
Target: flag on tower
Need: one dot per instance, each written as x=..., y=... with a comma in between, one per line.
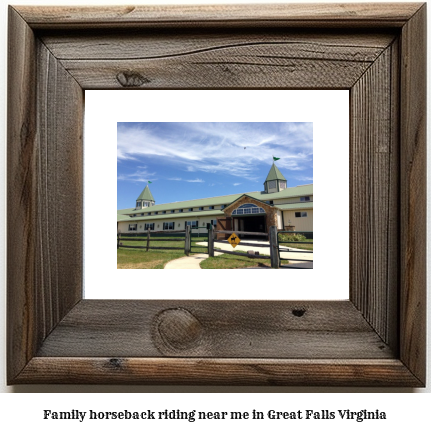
x=149, y=181
x=275, y=159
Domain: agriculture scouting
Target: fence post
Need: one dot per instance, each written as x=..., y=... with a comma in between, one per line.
x=273, y=247
x=148, y=239
x=187, y=241
x=211, y=241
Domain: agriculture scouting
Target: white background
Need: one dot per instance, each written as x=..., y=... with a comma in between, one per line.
x=25, y=410
x=329, y=113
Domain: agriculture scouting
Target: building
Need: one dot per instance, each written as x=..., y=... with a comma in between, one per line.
x=286, y=208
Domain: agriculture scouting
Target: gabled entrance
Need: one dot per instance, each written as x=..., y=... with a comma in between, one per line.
x=250, y=215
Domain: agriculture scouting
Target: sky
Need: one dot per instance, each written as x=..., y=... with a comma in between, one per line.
x=185, y=161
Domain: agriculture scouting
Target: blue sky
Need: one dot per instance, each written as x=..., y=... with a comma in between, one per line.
x=187, y=161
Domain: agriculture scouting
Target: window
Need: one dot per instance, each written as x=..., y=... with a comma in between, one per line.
x=133, y=227
x=211, y=207
x=172, y=211
x=149, y=214
x=223, y=206
x=168, y=225
x=190, y=209
x=138, y=204
x=180, y=210
x=214, y=222
x=192, y=224
x=156, y=212
x=283, y=184
x=306, y=198
x=149, y=226
x=300, y=214
x=248, y=209
x=164, y=212
x=270, y=202
x=146, y=204
x=271, y=184
x=201, y=208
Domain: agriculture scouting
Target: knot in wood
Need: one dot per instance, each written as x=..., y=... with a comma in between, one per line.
x=131, y=79
x=178, y=329
x=298, y=312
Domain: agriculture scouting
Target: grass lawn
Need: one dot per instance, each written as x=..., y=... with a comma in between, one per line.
x=153, y=259
x=227, y=261
x=295, y=245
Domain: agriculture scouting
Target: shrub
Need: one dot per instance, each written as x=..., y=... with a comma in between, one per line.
x=294, y=237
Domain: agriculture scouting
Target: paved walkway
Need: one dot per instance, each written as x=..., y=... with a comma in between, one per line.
x=193, y=262
x=188, y=262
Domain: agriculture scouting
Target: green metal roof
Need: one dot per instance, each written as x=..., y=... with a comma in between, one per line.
x=188, y=215
x=274, y=174
x=295, y=206
x=146, y=195
x=121, y=217
x=297, y=191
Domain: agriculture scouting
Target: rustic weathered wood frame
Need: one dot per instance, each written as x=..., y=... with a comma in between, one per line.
x=377, y=338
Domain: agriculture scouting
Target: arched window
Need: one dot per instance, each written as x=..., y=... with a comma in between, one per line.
x=248, y=209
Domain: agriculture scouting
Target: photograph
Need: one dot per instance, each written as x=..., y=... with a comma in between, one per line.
x=208, y=195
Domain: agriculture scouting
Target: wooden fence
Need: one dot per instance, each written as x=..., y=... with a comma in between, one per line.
x=275, y=246
x=152, y=236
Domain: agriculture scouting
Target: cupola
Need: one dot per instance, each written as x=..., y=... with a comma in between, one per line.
x=275, y=181
x=145, y=199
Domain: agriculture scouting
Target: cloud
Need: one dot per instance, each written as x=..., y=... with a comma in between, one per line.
x=138, y=176
x=234, y=148
x=304, y=178
x=236, y=184
x=189, y=181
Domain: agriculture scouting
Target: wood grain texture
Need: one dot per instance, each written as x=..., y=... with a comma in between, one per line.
x=21, y=194
x=300, y=15
x=374, y=195
x=205, y=59
x=59, y=183
x=197, y=371
x=241, y=329
x=413, y=194
x=44, y=193
x=376, y=338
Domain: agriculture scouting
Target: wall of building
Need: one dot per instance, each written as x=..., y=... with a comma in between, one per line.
x=300, y=224
x=123, y=226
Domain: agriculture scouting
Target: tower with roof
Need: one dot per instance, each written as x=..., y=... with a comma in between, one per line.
x=275, y=181
x=145, y=199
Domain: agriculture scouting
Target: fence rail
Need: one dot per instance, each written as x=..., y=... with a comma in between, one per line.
x=242, y=232
x=307, y=234
x=147, y=238
x=242, y=254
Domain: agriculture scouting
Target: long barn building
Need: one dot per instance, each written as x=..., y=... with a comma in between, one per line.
x=287, y=208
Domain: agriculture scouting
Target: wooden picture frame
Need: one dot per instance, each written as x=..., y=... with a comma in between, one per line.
x=376, y=338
